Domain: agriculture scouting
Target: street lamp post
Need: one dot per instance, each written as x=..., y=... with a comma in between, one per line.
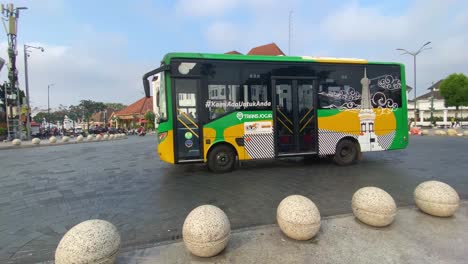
x=26, y=82
x=48, y=103
x=414, y=54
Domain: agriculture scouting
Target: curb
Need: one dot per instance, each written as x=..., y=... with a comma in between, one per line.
x=258, y=227
x=51, y=145
x=245, y=237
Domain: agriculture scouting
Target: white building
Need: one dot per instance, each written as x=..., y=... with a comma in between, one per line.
x=439, y=110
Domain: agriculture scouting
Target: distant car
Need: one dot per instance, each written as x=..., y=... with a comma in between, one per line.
x=78, y=131
x=112, y=130
x=96, y=130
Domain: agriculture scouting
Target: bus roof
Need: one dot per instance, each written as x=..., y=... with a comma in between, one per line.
x=240, y=57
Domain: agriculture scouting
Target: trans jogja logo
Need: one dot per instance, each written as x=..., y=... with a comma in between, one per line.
x=241, y=116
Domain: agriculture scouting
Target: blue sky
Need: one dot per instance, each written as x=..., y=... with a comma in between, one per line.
x=100, y=49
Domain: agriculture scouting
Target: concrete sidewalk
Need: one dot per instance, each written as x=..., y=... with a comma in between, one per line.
x=414, y=237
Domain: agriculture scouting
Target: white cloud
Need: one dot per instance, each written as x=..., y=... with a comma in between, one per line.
x=265, y=22
x=223, y=34
x=374, y=33
x=362, y=24
x=357, y=30
x=78, y=73
x=205, y=7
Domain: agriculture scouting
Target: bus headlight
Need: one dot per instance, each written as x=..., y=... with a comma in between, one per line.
x=162, y=136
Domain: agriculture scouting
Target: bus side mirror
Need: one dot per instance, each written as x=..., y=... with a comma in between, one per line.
x=146, y=86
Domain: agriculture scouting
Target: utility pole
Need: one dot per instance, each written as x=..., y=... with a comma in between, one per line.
x=11, y=14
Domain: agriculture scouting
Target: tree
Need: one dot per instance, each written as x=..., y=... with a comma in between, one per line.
x=115, y=106
x=89, y=107
x=454, y=89
x=54, y=116
x=40, y=116
x=149, y=117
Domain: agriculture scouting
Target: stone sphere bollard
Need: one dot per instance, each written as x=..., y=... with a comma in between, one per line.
x=36, y=141
x=98, y=137
x=52, y=139
x=465, y=133
x=105, y=137
x=452, y=132
x=90, y=137
x=111, y=137
x=298, y=217
x=65, y=139
x=436, y=198
x=79, y=138
x=16, y=142
x=373, y=206
x=425, y=132
x=92, y=241
x=206, y=231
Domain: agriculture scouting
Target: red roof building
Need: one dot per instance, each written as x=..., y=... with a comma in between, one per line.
x=233, y=52
x=133, y=114
x=269, y=49
x=100, y=118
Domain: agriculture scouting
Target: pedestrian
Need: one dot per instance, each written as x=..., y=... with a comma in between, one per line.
x=453, y=122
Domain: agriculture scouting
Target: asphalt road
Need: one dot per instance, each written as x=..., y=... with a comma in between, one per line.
x=45, y=191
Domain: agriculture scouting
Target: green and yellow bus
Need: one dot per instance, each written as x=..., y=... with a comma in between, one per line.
x=224, y=108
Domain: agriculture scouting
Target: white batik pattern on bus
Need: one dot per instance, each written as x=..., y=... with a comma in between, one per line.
x=329, y=139
x=386, y=140
x=259, y=146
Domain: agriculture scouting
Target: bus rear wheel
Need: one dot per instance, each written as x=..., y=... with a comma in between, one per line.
x=221, y=159
x=347, y=153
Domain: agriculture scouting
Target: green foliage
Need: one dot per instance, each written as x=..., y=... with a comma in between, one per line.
x=3, y=131
x=89, y=107
x=84, y=111
x=150, y=117
x=75, y=112
x=455, y=90
x=54, y=116
x=115, y=106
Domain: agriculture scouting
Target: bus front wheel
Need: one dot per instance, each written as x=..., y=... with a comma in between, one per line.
x=221, y=159
x=347, y=153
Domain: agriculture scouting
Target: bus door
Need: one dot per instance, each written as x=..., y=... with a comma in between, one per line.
x=295, y=116
x=188, y=132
